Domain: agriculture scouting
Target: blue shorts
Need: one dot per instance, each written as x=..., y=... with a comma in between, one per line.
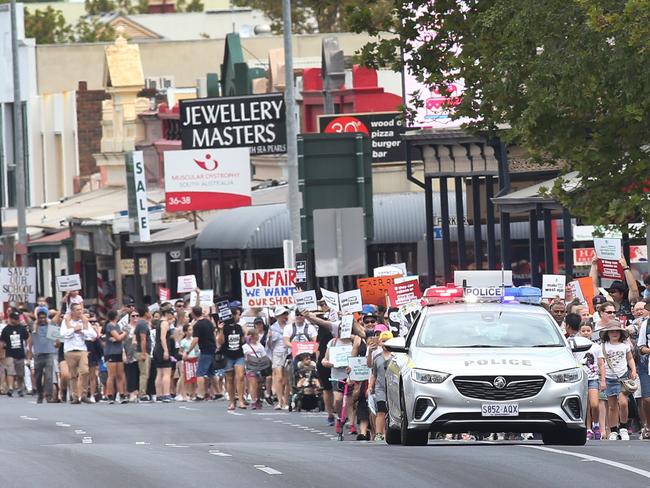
x=205, y=367
x=613, y=386
x=232, y=362
x=644, y=378
x=593, y=385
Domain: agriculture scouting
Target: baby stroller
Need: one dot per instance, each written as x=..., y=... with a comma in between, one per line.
x=307, y=393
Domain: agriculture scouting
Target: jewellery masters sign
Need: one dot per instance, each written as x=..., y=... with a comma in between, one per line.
x=256, y=121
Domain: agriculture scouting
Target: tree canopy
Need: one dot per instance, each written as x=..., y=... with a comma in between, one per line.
x=317, y=15
x=568, y=78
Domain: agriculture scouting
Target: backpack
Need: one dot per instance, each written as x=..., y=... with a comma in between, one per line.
x=295, y=332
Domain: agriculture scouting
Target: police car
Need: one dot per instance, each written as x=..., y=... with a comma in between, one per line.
x=497, y=365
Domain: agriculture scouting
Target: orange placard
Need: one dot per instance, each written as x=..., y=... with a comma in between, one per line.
x=588, y=292
x=374, y=290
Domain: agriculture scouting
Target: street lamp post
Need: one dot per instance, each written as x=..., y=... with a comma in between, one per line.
x=292, y=131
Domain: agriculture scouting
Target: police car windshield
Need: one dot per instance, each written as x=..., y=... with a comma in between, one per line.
x=489, y=329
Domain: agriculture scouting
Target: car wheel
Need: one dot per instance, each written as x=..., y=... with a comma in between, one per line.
x=566, y=437
x=410, y=437
x=392, y=435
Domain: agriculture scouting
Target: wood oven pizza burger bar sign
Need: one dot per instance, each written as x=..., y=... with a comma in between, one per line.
x=257, y=122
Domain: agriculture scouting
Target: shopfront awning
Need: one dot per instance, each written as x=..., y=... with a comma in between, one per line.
x=534, y=196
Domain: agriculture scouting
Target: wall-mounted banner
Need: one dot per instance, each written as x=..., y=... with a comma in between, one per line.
x=254, y=121
x=207, y=179
x=385, y=130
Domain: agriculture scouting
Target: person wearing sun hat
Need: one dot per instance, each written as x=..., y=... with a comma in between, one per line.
x=616, y=364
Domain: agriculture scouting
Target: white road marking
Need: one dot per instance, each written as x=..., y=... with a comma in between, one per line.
x=269, y=413
x=235, y=413
x=296, y=425
x=216, y=452
x=278, y=422
x=25, y=417
x=190, y=408
x=142, y=443
x=87, y=440
x=62, y=424
x=267, y=469
x=79, y=431
x=587, y=457
x=175, y=445
x=323, y=433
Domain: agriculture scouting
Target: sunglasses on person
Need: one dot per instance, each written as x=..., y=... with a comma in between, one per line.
x=135, y=315
x=370, y=321
x=610, y=312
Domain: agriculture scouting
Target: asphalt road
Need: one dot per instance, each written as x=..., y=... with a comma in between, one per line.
x=189, y=444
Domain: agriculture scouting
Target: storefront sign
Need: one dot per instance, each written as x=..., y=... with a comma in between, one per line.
x=268, y=287
x=384, y=129
x=137, y=195
x=255, y=121
x=207, y=179
x=127, y=267
x=18, y=285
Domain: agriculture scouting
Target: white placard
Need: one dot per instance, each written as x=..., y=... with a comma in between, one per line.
x=331, y=299
x=607, y=248
x=186, y=284
x=553, y=286
x=68, y=282
x=359, y=370
x=345, y=331
x=53, y=332
x=340, y=355
x=206, y=297
x=306, y=300
x=18, y=285
x=267, y=288
x=351, y=301
x=390, y=270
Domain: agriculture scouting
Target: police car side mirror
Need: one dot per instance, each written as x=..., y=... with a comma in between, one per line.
x=580, y=344
x=396, y=344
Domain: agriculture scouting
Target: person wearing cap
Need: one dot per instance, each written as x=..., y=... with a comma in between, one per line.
x=277, y=351
x=44, y=356
x=13, y=338
x=621, y=294
x=615, y=363
x=377, y=382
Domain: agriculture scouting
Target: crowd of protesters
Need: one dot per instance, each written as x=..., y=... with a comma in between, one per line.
x=284, y=359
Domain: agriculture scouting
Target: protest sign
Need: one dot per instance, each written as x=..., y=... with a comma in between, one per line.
x=223, y=310
x=268, y=287
x=68, y=282
x=205, y=297
x=306, y=300
x=18, y=285
x=583, y=290
x=164, y=294
x=186, y=284
x=398, y=269
x=298, y=348
x=553, y=286
x=345, y=332
x=404, y=292
x=359, y=370
x=608, y=252
x=331, y=299
x=374, y=290
x=350, y=301
x=340, y=355
x=53, y=332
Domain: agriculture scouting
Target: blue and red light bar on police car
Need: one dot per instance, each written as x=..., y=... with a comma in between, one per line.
x=451, y=293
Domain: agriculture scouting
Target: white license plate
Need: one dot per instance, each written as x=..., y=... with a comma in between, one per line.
x=500, y=410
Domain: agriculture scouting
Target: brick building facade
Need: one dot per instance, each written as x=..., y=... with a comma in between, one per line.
x=89, y=129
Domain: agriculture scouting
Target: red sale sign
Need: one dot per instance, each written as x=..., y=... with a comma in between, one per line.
x=207, y=179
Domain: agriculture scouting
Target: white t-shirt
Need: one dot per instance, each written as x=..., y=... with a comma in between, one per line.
x=304, y=332
x=256, y=350
x=617, y=354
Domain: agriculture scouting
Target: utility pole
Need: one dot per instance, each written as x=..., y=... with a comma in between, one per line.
x=19, y=160
x=292, y=130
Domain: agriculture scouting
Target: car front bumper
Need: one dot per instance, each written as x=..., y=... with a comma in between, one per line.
x=442, y=408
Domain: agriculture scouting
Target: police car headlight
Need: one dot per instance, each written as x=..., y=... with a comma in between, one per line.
x=572, y=375
x=424, y=376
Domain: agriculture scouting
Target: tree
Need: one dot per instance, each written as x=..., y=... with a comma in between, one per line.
x=316, y=15
x=569, y=78
x=91, y=29
x=192, y=6
x=47, y=26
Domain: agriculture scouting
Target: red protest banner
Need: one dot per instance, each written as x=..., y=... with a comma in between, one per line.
x=404, y=292
x=610, y=269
